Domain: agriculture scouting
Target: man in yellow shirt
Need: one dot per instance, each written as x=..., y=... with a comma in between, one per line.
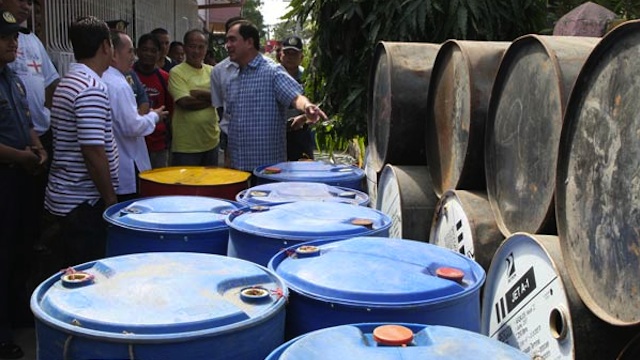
x=196, y=133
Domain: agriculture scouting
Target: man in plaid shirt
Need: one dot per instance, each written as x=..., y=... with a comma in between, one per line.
x=257, y=99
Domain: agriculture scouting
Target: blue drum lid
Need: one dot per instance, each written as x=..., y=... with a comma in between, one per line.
x=313, y=171
x=285, y=192
x=357, y=342
x=309, y=220
x=375, y=271
x=142, y=295
x=171, y=213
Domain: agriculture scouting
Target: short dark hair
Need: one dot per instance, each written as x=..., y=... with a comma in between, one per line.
x=193, y=31
x=87, y=35
x=149, y=37
x=248, y=31
x=175, y=44
x=232, y=20
x=160, y=31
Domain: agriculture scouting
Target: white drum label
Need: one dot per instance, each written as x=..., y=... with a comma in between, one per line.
x=525, y=304
x=389, y=201
x=452, y=229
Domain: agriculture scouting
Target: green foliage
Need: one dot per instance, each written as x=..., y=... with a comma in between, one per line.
x=346, y=32
x=626, y=9
x=251, y=12
x=216, y=45
x=290, y=27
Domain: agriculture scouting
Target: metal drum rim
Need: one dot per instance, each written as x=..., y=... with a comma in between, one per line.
x=585, y=76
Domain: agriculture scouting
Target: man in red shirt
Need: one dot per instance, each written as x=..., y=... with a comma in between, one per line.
x=155, y=81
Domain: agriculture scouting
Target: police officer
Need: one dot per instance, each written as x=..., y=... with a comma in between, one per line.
x=21, y=157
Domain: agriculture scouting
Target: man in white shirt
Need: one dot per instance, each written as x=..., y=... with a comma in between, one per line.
x=220, y=76
x=34, y=68
x=130, y=128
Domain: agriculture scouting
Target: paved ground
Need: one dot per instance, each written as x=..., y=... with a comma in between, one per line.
x=26, y=338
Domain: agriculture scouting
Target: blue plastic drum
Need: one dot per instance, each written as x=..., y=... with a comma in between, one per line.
x=258, y=234
x=286, y=192
x=161, y=306
x=311, y=171
x=169, y=223
x=394, y=342
x=368, y=279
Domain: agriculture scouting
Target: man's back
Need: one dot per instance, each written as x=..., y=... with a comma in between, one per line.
x=80, y=116
x=129, y=129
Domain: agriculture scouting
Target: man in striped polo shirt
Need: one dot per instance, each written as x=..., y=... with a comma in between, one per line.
x=84, y=171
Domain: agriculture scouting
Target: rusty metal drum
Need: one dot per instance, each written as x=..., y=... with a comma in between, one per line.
x=399, y=84
x=459, y=91
x=463, y=222
x=407, y=197
x=524, y=123
x=598, y=182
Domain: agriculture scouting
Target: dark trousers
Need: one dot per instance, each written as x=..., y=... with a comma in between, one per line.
x=206, y=158
x=41, y=179
x=300, y=144
x=39, y=187
x=70, y=240
x=17, y=216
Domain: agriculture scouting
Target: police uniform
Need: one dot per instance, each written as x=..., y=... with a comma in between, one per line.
x=16, y=212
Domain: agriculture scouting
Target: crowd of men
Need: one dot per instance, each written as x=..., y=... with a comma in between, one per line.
x=74, y=146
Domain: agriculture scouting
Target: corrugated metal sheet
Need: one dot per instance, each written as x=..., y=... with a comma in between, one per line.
x=177, y=16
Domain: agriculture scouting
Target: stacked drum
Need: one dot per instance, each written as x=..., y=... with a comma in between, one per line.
x=531, y=150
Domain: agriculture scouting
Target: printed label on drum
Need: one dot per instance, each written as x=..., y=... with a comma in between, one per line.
x=389, y=202
x=525, y=304
x=452, y=229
